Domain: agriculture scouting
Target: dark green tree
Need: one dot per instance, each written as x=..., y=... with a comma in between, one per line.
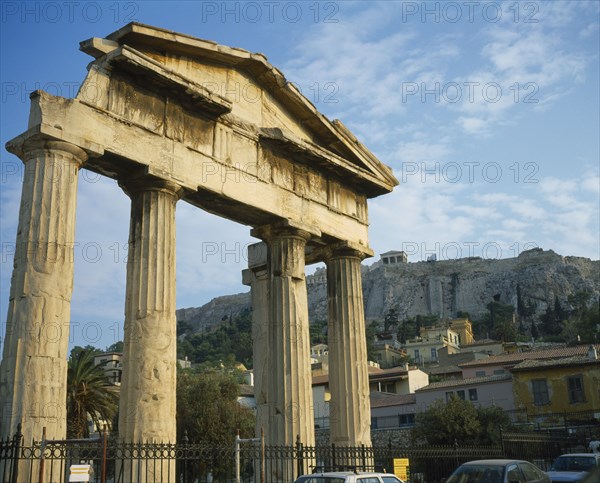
x=318, y=332
x=208, y=412
x=90, y=396
x=116, y=347
x=390, y=319
x=446, y=422
x=371, y=331
x=501, y=320
x=457, y=420
x=88, y=348
x=492, y=420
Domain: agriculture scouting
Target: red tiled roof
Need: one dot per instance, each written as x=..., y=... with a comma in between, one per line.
x=465, y=382
x=533, y=364
x=381, y=400
x=516, y=357
x=375, y=374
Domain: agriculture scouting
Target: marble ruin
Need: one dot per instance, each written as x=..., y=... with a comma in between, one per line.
x=172, y=117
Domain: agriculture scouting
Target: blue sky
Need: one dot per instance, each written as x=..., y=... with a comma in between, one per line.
x=486, y=111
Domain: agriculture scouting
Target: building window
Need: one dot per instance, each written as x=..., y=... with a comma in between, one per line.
x=389, y=387
x=539, y=387
x=433, y=354
x=575, y=387
x=461, y=394
x=479, y=373
x=417, y=357
x=449, y=396
x=472, y=394
x=498, y=372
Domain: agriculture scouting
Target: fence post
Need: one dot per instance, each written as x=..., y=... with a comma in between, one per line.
x=237, y=457
x=184, y=465
x=333, y=462
x=502, y=442
x=42, y=455
x=300, y=455
x=456, y=453
x=16, y=446
x=364, y=457
x=104, y=444
x=262, y=455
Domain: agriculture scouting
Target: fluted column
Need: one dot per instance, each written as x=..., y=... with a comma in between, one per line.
x=290, y=386
x=33, y=373
x=259, y=280
x=147, y=403
x=350, y=411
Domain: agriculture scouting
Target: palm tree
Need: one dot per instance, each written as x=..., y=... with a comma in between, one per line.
x=89, y=394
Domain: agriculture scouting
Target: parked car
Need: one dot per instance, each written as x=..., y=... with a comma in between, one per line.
x=498, y=471
x=573, y=467
x=348, y=477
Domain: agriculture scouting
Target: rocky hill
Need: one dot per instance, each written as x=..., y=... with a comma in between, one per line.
x=535, y=279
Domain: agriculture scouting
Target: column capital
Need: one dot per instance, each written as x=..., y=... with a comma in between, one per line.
x=141, y=183
x=34, y=145
x=346, y=249
x=45, y=137
x=286, y=228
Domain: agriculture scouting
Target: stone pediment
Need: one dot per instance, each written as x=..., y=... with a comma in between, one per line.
x=242, y=90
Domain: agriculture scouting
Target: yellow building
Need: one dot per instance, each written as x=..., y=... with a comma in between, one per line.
x=464, y=330
x=563, y=385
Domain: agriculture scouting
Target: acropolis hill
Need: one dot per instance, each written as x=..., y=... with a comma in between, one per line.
x=440, y=287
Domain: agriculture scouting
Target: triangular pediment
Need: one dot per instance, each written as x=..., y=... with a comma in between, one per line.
x=197, y=70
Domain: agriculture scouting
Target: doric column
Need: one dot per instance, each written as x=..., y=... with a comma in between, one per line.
x=350, y=411
x=147, y=403
x=289, y=393
x=33, y=373
x=257, y=276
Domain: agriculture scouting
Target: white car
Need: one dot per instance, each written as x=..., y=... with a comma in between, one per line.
x=348, y=477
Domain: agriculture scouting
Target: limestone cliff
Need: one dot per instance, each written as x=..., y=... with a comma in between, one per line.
x=442, y=287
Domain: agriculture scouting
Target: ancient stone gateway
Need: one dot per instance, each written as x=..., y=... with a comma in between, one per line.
x=172, y=117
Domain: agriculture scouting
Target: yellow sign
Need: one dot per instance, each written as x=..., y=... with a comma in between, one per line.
x=401, y=468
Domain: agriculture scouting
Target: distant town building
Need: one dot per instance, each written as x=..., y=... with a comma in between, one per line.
x=388, y=351
x=394, y=257
x=184, y=363
x=112, y=366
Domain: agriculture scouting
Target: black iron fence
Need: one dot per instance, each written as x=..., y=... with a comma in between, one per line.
x=119, y=462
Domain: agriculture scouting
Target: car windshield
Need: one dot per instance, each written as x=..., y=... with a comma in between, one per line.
x=477, y=474
x=574, y=463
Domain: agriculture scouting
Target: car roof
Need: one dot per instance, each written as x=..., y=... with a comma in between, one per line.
x=497, y=462
x=593, y=455
x=342, y=474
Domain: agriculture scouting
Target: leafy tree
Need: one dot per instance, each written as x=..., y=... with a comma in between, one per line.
x=318, y=332
x=88, y=348
x=492, y=420
x=523, y=309
x=89, y=393
x=183, y=327
x=116, y=347
x=459, y=421
x=208, y=412
x=229, y=342
x=447, y=422
x=390, y=319
x=371, y=331
x=552, y=319
x=501, y=320
x=585, y=316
